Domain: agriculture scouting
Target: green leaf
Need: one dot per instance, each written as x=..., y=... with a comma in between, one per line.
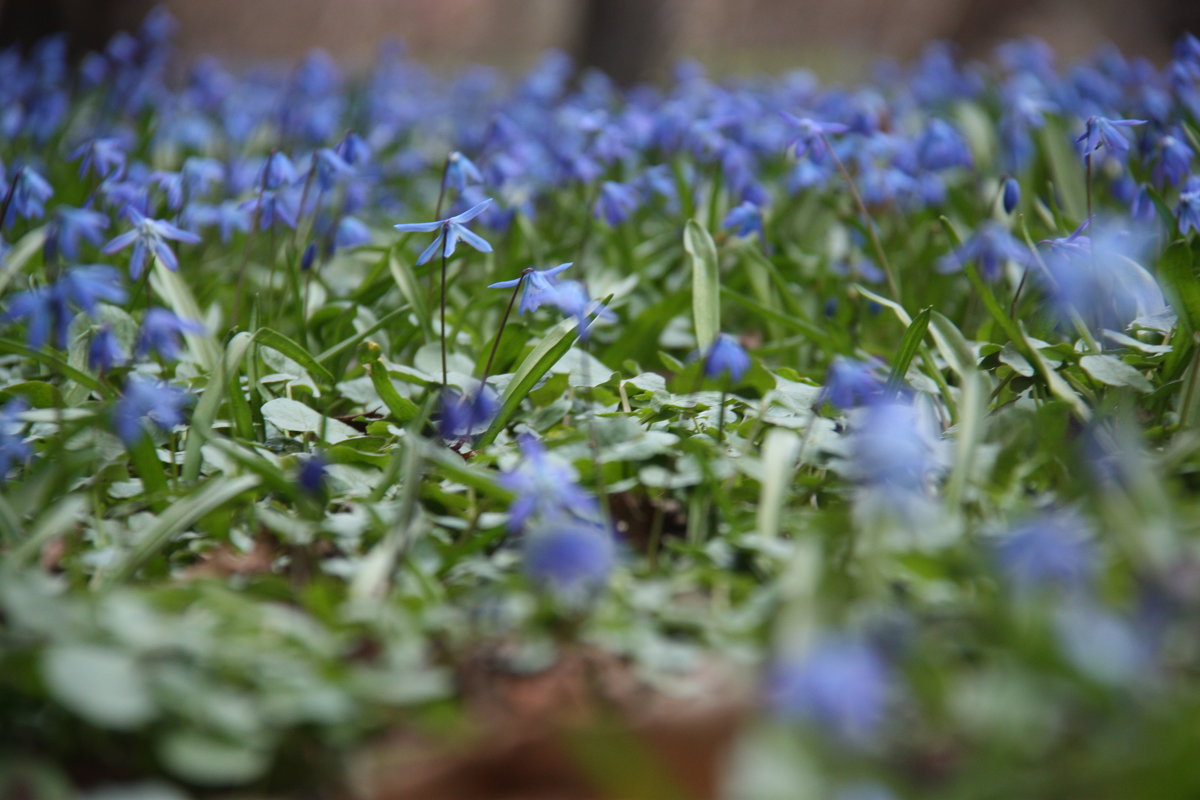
x=909, y=344
x=1178, y=275
x=1066, y=168
x=410, y=289
x=1115, y=372
x=781, y=448
x=103, y=685
x=706, y=287
x=179, y=298
x=175, y=520
x=206, y=760
x=277, y=341
x=21, y=252
x=38, y=394
x=295, y=417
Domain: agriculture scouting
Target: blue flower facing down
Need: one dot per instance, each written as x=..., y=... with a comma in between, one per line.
x=1012, y=194
x=745, y=219
x=540, y=287
x=1188, y=211
x=569, y=558
x=545, y=489
x=143, y=400
x=450, y=230
x=162, y=333
x=990, y=248
x=1052, y=549
x=851, y=383
x=1104, y=132
x=839, y=684
x=312, y=474
x=465, y=415
x=726, y=357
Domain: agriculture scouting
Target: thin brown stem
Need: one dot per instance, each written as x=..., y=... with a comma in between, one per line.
x=487, y=370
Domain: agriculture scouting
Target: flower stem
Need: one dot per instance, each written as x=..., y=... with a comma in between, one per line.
x=868, y=222
x=487, y=370
x=241, y=281
x=442, y=307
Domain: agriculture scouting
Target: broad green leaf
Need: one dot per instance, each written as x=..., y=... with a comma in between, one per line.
x=101, y=684
x=1182, y=283
x=1115, y=372
x=403, y=409
x=295, y=417
x=706, y=286
x=781, y=448
x=21, y=252
x=206, y=760
x=179, y=298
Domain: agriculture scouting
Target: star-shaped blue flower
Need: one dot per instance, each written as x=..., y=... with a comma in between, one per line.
x=450, y=230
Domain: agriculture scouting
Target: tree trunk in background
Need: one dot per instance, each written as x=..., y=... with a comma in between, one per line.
x=89, y=24
x=629, y=40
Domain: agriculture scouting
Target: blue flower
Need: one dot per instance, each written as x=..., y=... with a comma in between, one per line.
x=450, y=230
x=467, y=414
x=461, y=171
x=13, y=448
x=745, y=218
x=330, y=168
x=1012, y=194
x=227, y=217
x=161, y=333
x=72, y=224
x=48, y=309
x=840, y=683
x=277, y=171
x=894, y=448
x=1188, y=211
x=29, y=194
x=271, y=206
x=312, y=474
x=812, y=135
x=540, y=287
x=545, y=489
x=104, y=351
x=351, y=232
x=145, y=399
x=941, y=146
x=1052, y=549
x=990, y=247
x=86, y=286
x=1102, y=645
x=149, y=235
x=572, y=298
x=726, y=356
x=570, y=558
x=852, y=383
x=103, y=156
x=1102, y=131
x=1174, y=160
x=616, y=202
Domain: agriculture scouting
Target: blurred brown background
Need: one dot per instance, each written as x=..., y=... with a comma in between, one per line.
x=629, y=38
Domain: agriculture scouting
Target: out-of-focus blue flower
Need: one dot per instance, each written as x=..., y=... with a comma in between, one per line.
x=572, y=298
x=541, y=287
x=726, y=357
x=990, y=247
x=72, y=224
x=162, y=333
x=13, y=448
x=1012, y=194
x=1174, y=163
x=465, y=415
x=1188, y=211
x=308, y=257
x=450, y=230
x=227, y=217
x=351, y=232
x=29, y=192
x=149, y=235
x=811, y=135
x=312, y=474
x=271, y=206
x=839, y=683
x=104, y=156
x=570, y=558
x=545, y=489
x=616, y=202
x=104, y=351
x=1101, y=644
x=1052, y=549
x=330, y=168
x=894, y=448
x=941, y=146
x=461, y=171
x=143, y=399
x=47, y=309
x=746, y=219
x=1099, y=277
x=353, y=149
x=277, y=171
x=1102, y=131
x=852, y=382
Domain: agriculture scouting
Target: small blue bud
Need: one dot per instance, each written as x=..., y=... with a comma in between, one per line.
x=1012, y=194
